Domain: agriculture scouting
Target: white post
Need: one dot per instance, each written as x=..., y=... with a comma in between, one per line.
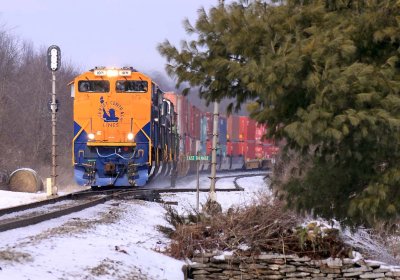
x=49, y=187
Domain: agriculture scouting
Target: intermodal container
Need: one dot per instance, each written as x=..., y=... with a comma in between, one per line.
x=194, y=127
x=183, y=116
x=236, y=149
x=243, y=123
x=197, y=147
x=203, y=129
x=270, y=151
x=250, y=150
x=221, y=151
x=259, y=151
x=233, y=128
x=222, y=131
x=243, y=149
x=247, y=129
x=203, y=148
x=261, y=130
x=188, y=146
x=209, y=147
x=251, y=130
x=191, y=120
x=193, y=150
x=196, y=123
x=229, y=149
x=209, y=118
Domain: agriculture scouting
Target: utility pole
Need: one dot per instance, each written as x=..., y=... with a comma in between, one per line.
x=213, y=196
x=212, y=206
x=53, y=63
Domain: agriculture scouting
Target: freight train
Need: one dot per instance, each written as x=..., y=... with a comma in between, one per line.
x=127, y=131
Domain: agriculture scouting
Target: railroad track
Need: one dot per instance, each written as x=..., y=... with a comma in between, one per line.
x=33, y=213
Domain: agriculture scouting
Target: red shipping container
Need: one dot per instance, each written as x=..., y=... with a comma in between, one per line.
x=209, y=117
x=247, y=129
x=242, y=148
x=209, y=147
x=251, y=130
x=185, y=121
x=193, y=146
x=269, y=142
x=235, y=148
x=187, y=146
x=251, y=150
x=259, y=151
x=261, y=129
x=191, y=122
x=197, y=114
x=229, y=149
x=271, y=151
x=243, y=122
x=233, y=128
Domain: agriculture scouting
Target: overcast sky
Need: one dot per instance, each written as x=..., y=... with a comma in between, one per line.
x=102, y=32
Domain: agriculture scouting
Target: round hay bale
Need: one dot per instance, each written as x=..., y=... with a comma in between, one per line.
x=25, y=180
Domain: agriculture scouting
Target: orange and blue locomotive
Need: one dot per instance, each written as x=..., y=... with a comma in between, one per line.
x=124, y=130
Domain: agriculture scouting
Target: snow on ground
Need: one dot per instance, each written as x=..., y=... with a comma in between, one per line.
x=254, y=187
x=10, y=199
x=116, y=240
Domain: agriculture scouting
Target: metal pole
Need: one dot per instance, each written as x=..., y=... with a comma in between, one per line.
x=198, y=184
x=214, y=153
x=179, y=124
x=53, y=133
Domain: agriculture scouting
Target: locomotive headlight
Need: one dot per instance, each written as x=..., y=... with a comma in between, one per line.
x=112, y=73
x=130, y=136
x=91, y=136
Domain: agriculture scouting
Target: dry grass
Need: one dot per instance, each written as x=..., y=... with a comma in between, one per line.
x=381, y=243
x=262, y=227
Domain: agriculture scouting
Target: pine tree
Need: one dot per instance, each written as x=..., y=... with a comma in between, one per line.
x=324, y=75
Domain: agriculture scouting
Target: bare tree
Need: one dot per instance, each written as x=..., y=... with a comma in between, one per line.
x=25, y=117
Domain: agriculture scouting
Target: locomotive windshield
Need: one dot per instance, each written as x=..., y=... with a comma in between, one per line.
x=131, y=86
x=94, y=86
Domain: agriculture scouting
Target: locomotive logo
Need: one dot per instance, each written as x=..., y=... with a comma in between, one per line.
x=110, y=113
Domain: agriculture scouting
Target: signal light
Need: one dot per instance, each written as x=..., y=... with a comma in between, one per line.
x=53, y=58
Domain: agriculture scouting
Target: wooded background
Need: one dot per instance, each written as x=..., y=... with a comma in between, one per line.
x=25, y=127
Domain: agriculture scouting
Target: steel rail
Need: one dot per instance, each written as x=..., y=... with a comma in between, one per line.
x=24, y=222
x=148, y=194
x=40, y=203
